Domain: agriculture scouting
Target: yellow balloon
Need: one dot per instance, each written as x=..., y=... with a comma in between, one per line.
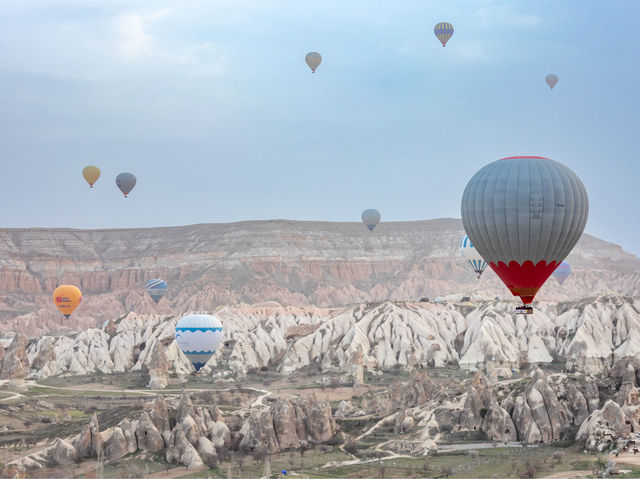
x=91, y=174
x=67, y=298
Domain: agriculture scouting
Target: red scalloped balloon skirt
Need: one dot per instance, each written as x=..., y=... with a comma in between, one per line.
x=524, y=279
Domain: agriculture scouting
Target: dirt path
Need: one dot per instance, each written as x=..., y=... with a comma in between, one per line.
x=626, y=458
x=176, y=472
x=567, y=475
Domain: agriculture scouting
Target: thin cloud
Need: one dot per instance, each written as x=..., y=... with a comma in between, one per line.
x=503, y=14
x=134, y=39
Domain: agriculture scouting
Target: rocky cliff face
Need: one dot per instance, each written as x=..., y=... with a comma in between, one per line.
x=589, y=335
x=294, y=263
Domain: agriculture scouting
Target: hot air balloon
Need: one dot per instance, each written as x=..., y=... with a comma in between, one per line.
x=443, y=31
x=126, y=182
x=67, y=298
x=156, y=288
x=551, y=80
x=198, y=336
x=370, y=218
x=562, y=272
x=91, y=174
x=524, y=214
x=313, y=59
x=472, y=256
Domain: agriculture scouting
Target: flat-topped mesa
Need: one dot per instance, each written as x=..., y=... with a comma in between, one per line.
x=295, y=263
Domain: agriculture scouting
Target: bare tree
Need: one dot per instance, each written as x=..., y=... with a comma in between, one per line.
x=259, y=453
x=351, y=447
x=239, y=457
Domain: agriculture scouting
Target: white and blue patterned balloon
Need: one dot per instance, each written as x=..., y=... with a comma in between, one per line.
x=198, y=336
x=472, y=256
x=156, y=288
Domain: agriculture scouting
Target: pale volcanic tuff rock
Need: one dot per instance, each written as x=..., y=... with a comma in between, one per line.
x=589, y=333
x=328, y=264
x=287, y=424
x=605, y=426
x=15, y=364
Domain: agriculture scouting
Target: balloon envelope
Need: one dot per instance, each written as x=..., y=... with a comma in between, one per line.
x=562, y=272
x=524, y=215
x=443, y=31
x=551, y=80
x=156, y=288
x=126, y=182
x=91, y=174
x=67, y=298
x=370, y=218
x=472, y=256
x=313, y=59
x=198, y=336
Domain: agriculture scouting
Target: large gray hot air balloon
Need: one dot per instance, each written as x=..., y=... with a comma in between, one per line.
x=524, y=214
x=126, y=182
x=370, y=218
x=551, y=80
x=313, y=59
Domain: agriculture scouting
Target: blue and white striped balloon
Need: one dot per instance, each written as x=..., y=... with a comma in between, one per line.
x=472, y=256
x=198, y=336
x=156, y=288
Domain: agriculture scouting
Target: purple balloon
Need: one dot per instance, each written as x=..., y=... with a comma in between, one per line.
x=562, y=272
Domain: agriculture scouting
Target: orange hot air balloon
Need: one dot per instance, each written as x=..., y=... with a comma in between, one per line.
x=67, y=298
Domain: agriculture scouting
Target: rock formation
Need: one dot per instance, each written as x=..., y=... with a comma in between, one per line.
x=605, y=426
x=15, y=365
x=299, y=263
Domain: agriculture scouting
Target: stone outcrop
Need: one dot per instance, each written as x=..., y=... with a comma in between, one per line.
x=114, y=444
x=15, y=365
x=180, y=450
x=63, y=453
x=220, y=435
x=159, y=365
x=89, y=442
x=258, y=432
x=147, y=435
x=160, y=415
x=538, y=414
x=605, y=426
x=206, y=450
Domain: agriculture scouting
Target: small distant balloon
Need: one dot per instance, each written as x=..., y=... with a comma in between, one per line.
x=371, y=218
x=551, y=80
x=443, y=31
x=91, y=174
x=67, y=298
x=562, y=272
x=472, y=256
x=156, y=288
x=198, y=336
x=313, y=59
x=126, y=182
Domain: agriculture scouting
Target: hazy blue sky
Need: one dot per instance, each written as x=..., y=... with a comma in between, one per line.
x=210, y=104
